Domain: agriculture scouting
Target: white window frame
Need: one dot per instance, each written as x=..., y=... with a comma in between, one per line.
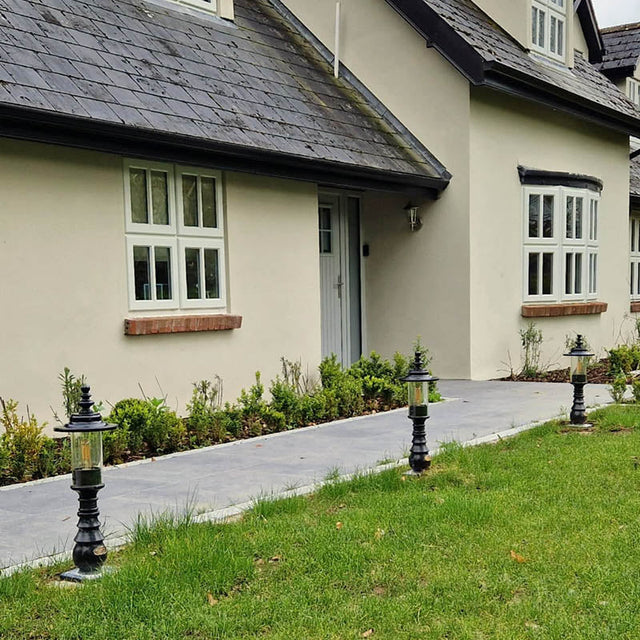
x=183, y=230
x=209, y=7
x=552, y=9
x=150, y=227
x=175, y=236
x=560, y=245
x=633, y=91
x=201, y=244
x=634, y=256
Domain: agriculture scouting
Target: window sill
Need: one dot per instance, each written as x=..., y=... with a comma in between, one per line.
x=180, y=324
x=563, y=309
x=635, y=306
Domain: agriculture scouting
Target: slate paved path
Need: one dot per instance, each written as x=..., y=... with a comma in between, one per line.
x=39, y=518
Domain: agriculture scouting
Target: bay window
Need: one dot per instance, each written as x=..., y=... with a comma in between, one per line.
x=560, y=244
x=174, y=237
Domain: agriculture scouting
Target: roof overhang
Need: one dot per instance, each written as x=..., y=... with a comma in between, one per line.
x=81, y=133
x=439, y=34
x=589, y=24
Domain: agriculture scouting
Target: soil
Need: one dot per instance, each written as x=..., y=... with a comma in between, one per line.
x=598, y=373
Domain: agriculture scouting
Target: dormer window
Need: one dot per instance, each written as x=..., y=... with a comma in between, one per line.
x=548, y=27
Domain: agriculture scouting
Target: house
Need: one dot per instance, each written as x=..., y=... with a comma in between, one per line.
x=187, y=188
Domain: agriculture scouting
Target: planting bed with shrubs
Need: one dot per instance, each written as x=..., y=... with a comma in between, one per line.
x=148, y=427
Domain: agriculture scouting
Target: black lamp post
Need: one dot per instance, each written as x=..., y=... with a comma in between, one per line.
x=579, y=360
x=85, y=429
x=418, y=386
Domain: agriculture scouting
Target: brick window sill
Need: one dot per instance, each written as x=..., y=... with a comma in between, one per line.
x=564, y=309
x=635, y=306
x=180, y=324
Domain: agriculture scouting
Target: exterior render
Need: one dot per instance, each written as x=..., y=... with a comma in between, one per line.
x=202, y=187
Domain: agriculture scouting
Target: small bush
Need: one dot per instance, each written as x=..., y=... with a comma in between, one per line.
x=635, y=389
x=26, y=454
x=203, y=424
x=150, y=427
x=623, y=359
x=531, y=339
x=618, y=388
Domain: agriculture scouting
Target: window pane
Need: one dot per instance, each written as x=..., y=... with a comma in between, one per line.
x=547, y=273
x=211, y=281
x=534, y=216
x=192, y=269
x=534, y=25
x=633, y=235
x=578, y=274
x=579, y=203
x=163, y=273
x=552, y=34
x=325, y=241
x=595, y=219
x=209, y=213
x=534, y=259
x=568, y=273
x=138, y=187
x=141, y=273
x=541, y=16
x=560, y=49
x=160, y=197
x=569, y=218
x=190, y=200
x=547, y=217
x=593, y=273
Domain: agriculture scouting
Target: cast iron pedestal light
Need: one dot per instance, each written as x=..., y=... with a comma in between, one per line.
x=418, y=386
x=85, y=429
x=579, y=361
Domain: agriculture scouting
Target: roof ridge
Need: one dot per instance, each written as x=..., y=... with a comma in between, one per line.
x=628, y=26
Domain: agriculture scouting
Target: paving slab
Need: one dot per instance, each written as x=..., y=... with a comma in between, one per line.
x=38, y=519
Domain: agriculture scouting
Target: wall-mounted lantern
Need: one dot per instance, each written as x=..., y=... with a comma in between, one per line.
x=415, y=222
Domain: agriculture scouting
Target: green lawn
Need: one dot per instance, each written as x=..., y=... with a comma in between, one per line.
x=534, y=537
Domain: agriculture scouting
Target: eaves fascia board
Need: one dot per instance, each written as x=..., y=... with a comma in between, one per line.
x=508, y=80
x=592, y=34
x=41, y=126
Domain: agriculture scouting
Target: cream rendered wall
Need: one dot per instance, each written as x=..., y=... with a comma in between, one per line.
x=506, y=133
x=579, y=42
x=514, y=16
x=64, y=283
x=415, y=284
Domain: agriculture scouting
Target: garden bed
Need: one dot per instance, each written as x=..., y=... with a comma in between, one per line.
x=598, y=373
x=147, y=427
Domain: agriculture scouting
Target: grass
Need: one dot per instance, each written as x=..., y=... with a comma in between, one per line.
x=533, y=537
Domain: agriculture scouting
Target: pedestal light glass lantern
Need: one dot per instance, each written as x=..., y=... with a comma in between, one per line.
x=418, y=396
x=85, y=429
x=579, y=361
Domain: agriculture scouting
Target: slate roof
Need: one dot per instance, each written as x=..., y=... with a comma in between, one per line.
x=151, y=67
x=489, y=56
x=622, y=49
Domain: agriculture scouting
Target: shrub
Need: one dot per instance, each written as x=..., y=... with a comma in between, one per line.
x=25, y=452
x=635, y=388
x=623, y=359
x=618, y=388
x=531, y=339
x=150, y=427
x=203, y=425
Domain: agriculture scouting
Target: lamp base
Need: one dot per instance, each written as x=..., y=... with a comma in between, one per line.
x=75, y=575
